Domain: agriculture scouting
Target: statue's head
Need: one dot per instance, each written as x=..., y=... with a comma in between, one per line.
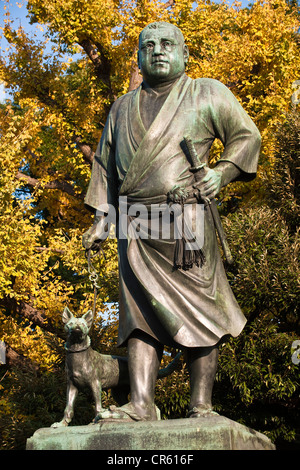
x=162, y=55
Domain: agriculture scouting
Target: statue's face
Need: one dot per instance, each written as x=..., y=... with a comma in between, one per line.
x=162, y=55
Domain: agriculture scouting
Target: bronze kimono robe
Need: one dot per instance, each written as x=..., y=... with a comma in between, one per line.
x=194, y=307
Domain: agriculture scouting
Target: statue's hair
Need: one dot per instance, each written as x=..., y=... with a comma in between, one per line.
x=163, y=24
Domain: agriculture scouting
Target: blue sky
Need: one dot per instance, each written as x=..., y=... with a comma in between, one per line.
x=18, y=13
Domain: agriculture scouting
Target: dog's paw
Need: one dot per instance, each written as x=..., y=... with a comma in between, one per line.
x=59, y=424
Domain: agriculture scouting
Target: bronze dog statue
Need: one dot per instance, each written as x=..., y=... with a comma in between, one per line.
x=88, y=368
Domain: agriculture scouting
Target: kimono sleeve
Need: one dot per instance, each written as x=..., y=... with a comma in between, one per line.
x=236, y=130
x=103, y=186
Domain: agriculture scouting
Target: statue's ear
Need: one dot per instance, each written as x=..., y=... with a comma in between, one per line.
x=186, y=54
x=67, y=315
x=88, y=317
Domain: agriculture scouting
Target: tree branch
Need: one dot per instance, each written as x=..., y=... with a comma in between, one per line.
x=30, y=313
x=101, y=63
x=14, y=359
x=170, y=3
x=135, y=77
x=55, y=184
x=86, y=150
x=45, y=248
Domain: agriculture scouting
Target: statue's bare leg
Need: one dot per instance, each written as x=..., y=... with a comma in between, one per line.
x=144, y=356
x=202, y=363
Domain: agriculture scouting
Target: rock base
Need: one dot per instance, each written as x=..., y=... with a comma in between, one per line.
x=205, y=433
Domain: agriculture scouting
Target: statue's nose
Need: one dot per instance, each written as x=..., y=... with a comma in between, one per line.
x=158, y=49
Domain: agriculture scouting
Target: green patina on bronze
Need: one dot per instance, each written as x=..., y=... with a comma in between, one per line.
x=140, y=156
x=182, y=301
x=214, y=433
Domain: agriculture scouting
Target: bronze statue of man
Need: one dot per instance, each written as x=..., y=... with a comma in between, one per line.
x=141, y=158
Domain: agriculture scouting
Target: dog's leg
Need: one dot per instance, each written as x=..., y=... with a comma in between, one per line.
x=72, y=392
x=97, y=394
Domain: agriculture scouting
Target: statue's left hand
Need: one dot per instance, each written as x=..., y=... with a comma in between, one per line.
x=210, y=185
x=98, y=231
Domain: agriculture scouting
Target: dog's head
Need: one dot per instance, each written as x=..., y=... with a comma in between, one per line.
x=77, y=329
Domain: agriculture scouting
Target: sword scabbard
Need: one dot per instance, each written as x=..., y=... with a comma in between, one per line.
x=199, y=173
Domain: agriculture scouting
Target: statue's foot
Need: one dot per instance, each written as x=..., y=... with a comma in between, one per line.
x=200, y=411
x=126, y=412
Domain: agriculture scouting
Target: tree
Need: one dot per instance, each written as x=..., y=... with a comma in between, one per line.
x=265, y=239
x=49, y=132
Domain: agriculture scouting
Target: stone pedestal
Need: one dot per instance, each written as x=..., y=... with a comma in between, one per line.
x=206, y=433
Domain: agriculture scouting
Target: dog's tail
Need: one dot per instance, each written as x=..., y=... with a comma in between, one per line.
x=174, y=365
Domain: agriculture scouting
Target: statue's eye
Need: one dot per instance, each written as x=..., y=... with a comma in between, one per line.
x=167, y=45
x=148, y=47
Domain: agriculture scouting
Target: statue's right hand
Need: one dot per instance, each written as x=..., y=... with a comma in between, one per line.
x=97, y=232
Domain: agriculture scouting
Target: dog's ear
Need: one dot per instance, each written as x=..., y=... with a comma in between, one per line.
x=88, y=317
x=67, y=315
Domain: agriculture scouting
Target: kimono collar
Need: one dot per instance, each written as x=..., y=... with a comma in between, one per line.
x=148, y=143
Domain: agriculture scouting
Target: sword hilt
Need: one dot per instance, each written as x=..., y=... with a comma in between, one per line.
x=197, y=165
x=192, y=151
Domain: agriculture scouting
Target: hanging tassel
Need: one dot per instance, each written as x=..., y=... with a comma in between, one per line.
x=184, y=257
